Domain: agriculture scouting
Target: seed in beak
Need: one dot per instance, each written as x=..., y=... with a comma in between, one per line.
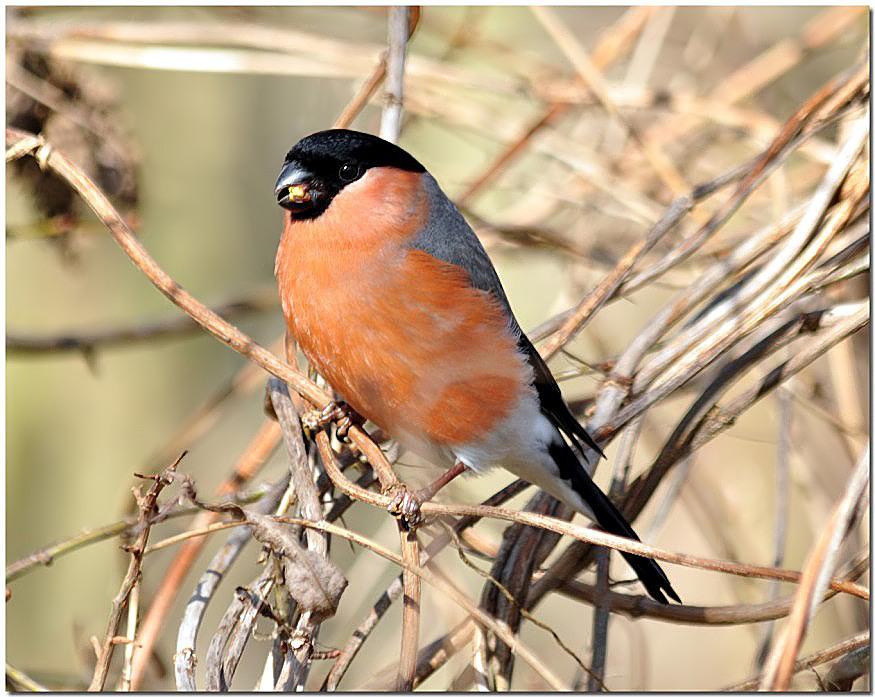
x=299, y=193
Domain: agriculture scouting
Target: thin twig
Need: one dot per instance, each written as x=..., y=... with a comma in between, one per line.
x=602, y=614
x=814, y=659
x=186, y=640
x=782, y=504
x=18, y=344
x=778, y=668
x=578, y=532
x=20, y=681
x=411, y=613
x=148, y=506
x=129, y=526
x=47, y=555
x=369, y=87
x=636, y=606
x=396, y=55
x=253, y=457
x=130, y=638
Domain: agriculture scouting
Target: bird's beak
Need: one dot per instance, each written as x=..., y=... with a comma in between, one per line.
x=294, y=187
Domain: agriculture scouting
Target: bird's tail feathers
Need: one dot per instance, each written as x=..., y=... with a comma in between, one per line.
x=611, y=520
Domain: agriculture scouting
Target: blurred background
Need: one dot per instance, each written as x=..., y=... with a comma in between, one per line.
x=184, y=116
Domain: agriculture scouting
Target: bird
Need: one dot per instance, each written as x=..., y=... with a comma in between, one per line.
x=393, y=300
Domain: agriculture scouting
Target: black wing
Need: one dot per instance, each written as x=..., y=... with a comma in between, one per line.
x=552, y=403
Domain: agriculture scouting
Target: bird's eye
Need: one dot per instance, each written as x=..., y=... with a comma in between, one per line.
x=349, y=172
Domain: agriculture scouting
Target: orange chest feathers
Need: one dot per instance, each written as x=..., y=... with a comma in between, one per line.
x=402, y=336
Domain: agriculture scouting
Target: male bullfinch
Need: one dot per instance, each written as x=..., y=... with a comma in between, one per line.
x=393, y=300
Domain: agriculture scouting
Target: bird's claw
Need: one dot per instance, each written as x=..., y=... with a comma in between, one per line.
x=338, y=412
x=406, y=505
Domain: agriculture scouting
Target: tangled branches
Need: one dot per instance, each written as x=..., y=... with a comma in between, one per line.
x=760, y=305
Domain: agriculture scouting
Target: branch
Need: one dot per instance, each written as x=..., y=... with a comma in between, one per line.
x=601, y=616
x=590, y=535
x=395, y=588
x=848, y=668
x=390, y=126
x=250, y=461
x=818, y=568
x=20, y=681
x=814, y=659
x=186, y=639
x=637, y=606
x=148, y=506
x=18, y=344
x=296, y=662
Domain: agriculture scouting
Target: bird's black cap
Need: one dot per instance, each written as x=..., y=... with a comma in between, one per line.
x=343, y=145
x=319, y=166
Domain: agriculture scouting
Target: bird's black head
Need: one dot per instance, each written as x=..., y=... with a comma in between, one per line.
x=322, y=164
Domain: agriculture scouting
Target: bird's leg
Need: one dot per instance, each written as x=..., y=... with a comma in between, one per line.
x=340, y=412
x=406, y=504
x=428, y=492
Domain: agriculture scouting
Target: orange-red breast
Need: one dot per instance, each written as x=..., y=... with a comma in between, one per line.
x=394, y=301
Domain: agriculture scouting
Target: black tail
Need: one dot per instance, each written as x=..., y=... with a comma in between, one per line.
x=611, y=520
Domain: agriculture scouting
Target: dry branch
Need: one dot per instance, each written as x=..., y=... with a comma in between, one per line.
x=186, y=641
x=753, y=295
x=814, y=659
x=148, y=507
x=254, y=456
x=849, y=668
x=298, y=581
x=395, y=589
x=713, y=616
x=20, y=344
x=20, y=681
x=818, y=568
x=577, y=532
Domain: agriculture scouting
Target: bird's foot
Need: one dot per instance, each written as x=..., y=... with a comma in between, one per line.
x=338, y=412
x=405, y=505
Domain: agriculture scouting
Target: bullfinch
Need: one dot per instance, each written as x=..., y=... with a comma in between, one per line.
x=393, y=300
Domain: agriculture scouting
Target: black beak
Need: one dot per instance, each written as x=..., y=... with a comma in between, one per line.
x=294, y=187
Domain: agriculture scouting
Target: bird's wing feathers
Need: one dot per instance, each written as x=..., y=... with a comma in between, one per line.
x=552, y=403
x=447, y=236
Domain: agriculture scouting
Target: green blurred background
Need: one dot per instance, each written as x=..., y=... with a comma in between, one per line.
x=210, y=146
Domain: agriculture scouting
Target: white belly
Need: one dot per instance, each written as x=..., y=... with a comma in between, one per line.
x=520, y=445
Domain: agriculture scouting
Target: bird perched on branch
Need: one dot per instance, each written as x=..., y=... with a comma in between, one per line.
x=393, y=299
